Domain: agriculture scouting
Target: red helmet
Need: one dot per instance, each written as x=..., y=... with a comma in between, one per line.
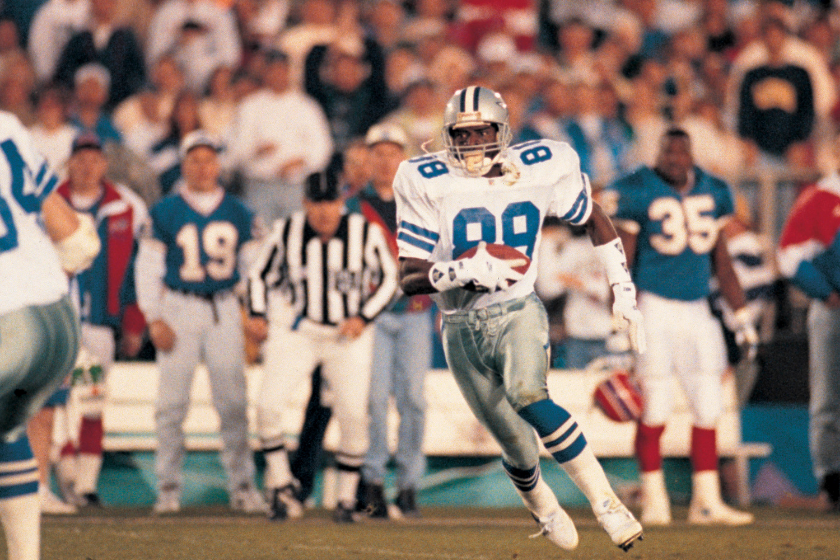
x=619, y=397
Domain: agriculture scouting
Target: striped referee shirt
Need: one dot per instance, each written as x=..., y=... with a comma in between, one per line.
x=352, y=274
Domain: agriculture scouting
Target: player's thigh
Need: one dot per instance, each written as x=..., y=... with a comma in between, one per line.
x=224, y=353
x=701, y=365
x=654, y=368
x=38, y=346
x=485, y=394
x=523, y=353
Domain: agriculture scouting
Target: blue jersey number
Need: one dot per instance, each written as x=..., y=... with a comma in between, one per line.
x=520, y=225
x=8, y=231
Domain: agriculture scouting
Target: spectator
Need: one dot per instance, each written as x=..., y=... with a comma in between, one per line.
x=587, y=316
x=386, y=20
x=280, y=136
x=90, y=94
x=108, y=309
x=355, y=168
x=402, y=346
x=193, y=314
x=17, y=84
x=217, y=109
x=318, y=23
x=347, y=78
x=143, y=116
x=163, y=156
x=52, y=132
x=419, y=116
x=198, y=33
x=110, y=44
x=808, y=257
x=53, y=25
x=657, y=211
x=333, y=302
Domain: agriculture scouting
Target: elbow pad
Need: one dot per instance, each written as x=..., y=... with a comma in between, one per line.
x=77, y=251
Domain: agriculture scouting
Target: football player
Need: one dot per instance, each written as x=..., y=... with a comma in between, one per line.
x=187, y=268
x=479, y=191
x=669, y=218
x=39, y=327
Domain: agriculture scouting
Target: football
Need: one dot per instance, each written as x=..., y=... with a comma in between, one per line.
x=503, y=252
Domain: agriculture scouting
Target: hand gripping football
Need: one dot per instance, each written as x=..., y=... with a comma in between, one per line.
x=517, y=260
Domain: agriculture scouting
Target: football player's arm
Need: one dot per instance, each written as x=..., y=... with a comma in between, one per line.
x=73, y=234
x=610, y=249
x=746, y=334
x=148, y=276
x=414, y=276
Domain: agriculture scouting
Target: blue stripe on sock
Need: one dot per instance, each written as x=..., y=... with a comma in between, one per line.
x=7, y=492
x=545, y=416
x=16, y=451
x=13, y=453
x=523, y=479
x=572, y=451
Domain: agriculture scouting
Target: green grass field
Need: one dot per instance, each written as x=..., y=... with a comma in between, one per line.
x=443, y=533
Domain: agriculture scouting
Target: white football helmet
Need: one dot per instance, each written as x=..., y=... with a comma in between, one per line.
x=476, y=106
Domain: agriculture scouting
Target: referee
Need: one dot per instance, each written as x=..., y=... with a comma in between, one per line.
x=334, y=272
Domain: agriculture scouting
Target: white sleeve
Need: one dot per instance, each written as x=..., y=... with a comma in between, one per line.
x=418, y=229
x=148, y=277
x=319, y=142
x=572, y=198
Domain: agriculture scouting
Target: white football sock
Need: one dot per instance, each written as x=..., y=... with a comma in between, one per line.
x=588, y=475
x=21, y=518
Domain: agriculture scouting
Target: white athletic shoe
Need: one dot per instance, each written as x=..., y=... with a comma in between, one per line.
x=707, y=506
x=246, y=499
x=284, y=504
x=620, y=525
x=656, y=506
x=52, y=504
x=168, y=501
x=559, y=529
x=717, y=514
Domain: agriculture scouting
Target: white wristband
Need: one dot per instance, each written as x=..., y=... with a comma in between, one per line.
x=614, y=260
x=443, y=276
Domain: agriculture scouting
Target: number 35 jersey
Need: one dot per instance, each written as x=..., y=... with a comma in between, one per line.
x=441, y=212
x=675, y=232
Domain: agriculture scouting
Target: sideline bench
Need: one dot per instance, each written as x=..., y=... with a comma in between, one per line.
x=451, y=428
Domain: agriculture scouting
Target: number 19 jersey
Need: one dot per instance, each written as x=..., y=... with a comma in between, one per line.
x=441, y=212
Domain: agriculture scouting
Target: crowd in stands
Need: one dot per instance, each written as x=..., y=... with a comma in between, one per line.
x=752, y=81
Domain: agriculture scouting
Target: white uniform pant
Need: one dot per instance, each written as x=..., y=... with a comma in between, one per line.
x=290, y=358
x=684, y=343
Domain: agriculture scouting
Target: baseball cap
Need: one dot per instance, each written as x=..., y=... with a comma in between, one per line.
x=86, y=140
x=93, y=70
x=195, y=139
x=322, y=186
x=386, y=132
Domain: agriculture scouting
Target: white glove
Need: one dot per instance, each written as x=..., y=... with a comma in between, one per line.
x=484, y=271
x=746, y=335
x=627, y=313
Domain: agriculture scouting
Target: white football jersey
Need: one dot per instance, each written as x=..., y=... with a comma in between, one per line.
x=30, y=273
x=441, y=212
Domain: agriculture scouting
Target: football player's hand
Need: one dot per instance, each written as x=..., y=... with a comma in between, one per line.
x=489, y=273
x=162, y=335
x=352, y=327
x=746, y=335
x=628, y=314
x=256, y=328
